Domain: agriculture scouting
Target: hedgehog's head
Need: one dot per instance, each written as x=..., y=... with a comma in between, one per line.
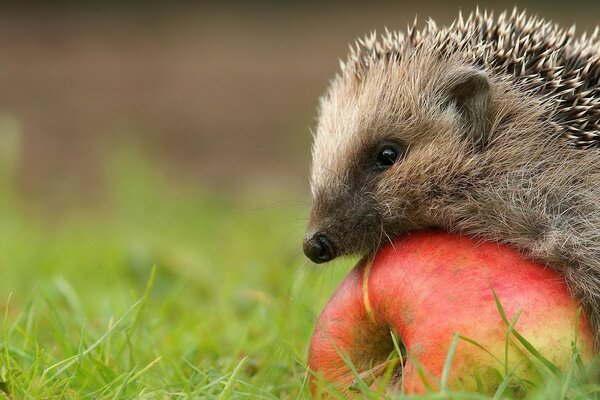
x=390, y=137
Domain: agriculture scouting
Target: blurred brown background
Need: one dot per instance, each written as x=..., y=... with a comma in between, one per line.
x=219, y=95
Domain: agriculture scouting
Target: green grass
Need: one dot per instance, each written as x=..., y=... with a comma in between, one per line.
x=228, y=310
x=166, y=293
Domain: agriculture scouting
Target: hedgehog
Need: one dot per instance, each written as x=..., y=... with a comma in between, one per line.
x=488, y=127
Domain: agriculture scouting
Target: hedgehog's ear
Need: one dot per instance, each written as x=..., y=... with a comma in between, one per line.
x=469, y=90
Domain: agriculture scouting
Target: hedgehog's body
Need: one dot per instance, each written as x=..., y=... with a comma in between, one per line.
x=489, y=127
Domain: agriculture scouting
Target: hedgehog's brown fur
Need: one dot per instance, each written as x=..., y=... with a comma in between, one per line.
x=500, y=118
x=541, y=56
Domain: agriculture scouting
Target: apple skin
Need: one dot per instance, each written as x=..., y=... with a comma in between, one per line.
x=429, y=286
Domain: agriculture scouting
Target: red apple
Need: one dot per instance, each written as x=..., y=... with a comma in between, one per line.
x=429, y=286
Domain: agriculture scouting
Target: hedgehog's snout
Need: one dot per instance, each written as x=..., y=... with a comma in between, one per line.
x=319, y=247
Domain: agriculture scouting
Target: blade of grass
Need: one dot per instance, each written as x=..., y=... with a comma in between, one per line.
x=422, y=375
x=568, y=378
x=383, y=383
x=448, y=363
x=401, y=357
x=7, y=361
x=225, y=394
x=358, y=383
x=553, y=368
x=474, y=343
x=73, y=359
x=79, y=350
x=502, y=388
x=145, y=296
x=507, y=340
x=124, y=384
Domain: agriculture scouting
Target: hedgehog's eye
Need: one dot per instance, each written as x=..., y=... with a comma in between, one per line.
x=387, y=156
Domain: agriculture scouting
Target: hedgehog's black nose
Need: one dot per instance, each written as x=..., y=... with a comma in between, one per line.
x=319, y=248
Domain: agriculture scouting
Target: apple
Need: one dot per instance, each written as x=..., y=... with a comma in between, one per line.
x=430, y=287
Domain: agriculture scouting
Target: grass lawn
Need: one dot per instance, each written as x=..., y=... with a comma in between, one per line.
x=165, y=293
x=228, y=310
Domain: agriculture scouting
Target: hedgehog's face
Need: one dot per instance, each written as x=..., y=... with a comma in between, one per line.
x=383, y=148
